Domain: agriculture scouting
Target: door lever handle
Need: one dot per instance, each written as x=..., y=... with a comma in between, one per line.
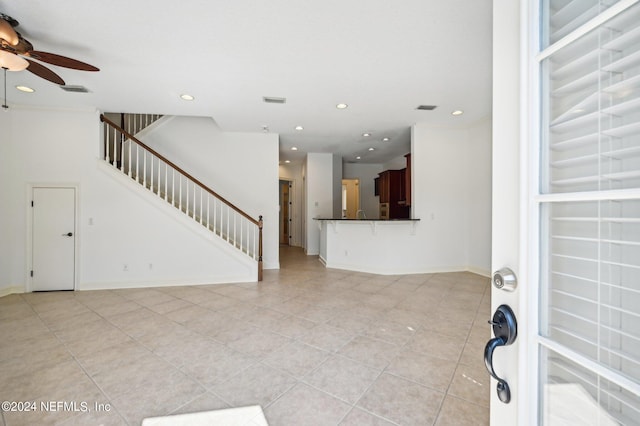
x=505, y=329
x=68, y=234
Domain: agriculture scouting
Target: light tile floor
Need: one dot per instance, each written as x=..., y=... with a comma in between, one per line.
x=312, y=346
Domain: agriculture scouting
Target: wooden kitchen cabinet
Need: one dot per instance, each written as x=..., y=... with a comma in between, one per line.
x=391, y=189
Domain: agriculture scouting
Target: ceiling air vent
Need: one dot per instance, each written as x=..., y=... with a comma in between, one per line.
x=274, y=100
x=76, y=89
x=426, y=107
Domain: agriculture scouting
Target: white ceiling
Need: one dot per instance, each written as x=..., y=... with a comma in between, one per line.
x=383, y=58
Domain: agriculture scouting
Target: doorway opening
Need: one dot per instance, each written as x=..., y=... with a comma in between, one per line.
x=351, y=199
x=285, y=211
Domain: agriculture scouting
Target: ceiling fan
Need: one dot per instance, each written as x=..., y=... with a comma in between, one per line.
x=17, y=54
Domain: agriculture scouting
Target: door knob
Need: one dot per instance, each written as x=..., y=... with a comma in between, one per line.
x=68, y=234
x=505, y=328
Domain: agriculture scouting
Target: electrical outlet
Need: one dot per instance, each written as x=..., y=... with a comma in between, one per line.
x=125, y=267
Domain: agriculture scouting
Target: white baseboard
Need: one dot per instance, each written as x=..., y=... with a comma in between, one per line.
x=392, y=270
x=479, y=271
x=170, y=283
x=16, y=289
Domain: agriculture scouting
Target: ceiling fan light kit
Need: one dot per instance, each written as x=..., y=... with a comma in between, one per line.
x=12, y=62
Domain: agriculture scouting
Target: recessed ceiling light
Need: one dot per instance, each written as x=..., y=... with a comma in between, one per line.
x=372, y=149
x=385, y=139
x=341, y=106
x=186, y=97
x=25, y=89
x=366, y=135
x=287, y=161
x=358, y=157
x=299, y=128
x=294, y=148
x=457, y=112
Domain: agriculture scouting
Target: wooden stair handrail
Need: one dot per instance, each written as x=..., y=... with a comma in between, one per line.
x=194, y=180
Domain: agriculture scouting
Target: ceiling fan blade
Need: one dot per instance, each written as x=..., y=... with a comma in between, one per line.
x=61, y=61
x=44, y=72
x=7, y=33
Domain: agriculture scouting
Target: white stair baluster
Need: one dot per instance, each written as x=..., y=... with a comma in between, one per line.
x=166, y=182
x=215, y=216
x=106, y=143
x=201, y=206
x=180, y=192
x=151, y=172
x=144, y=168
x=138, y=163
x=122, y=142
x=129, y=171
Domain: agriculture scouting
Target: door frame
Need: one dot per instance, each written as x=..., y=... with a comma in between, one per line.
x=29, y=237
x=514, y=216
x=292, y=206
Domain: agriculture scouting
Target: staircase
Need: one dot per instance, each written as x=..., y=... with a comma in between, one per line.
x=151, y=170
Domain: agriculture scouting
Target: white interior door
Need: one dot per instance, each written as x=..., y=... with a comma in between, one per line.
x=567, y=166
x=53, y=231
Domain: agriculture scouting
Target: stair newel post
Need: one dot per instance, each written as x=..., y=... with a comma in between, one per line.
x=260, y=248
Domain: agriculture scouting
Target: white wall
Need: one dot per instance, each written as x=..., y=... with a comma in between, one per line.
x=479, y=166
x=397, y=163
x=241, y=167
x=293, y=172
x=62, y=147
x=319, y=196
x=10, y=276
x=440, y=182
x=369, y=202
x=451, y=179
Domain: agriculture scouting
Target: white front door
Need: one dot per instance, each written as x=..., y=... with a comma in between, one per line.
x=566, y=210
x=53, y=232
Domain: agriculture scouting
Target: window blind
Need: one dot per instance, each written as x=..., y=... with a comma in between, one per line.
x=590, y=249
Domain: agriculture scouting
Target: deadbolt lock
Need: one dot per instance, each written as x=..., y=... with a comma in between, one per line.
x=505, y=279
